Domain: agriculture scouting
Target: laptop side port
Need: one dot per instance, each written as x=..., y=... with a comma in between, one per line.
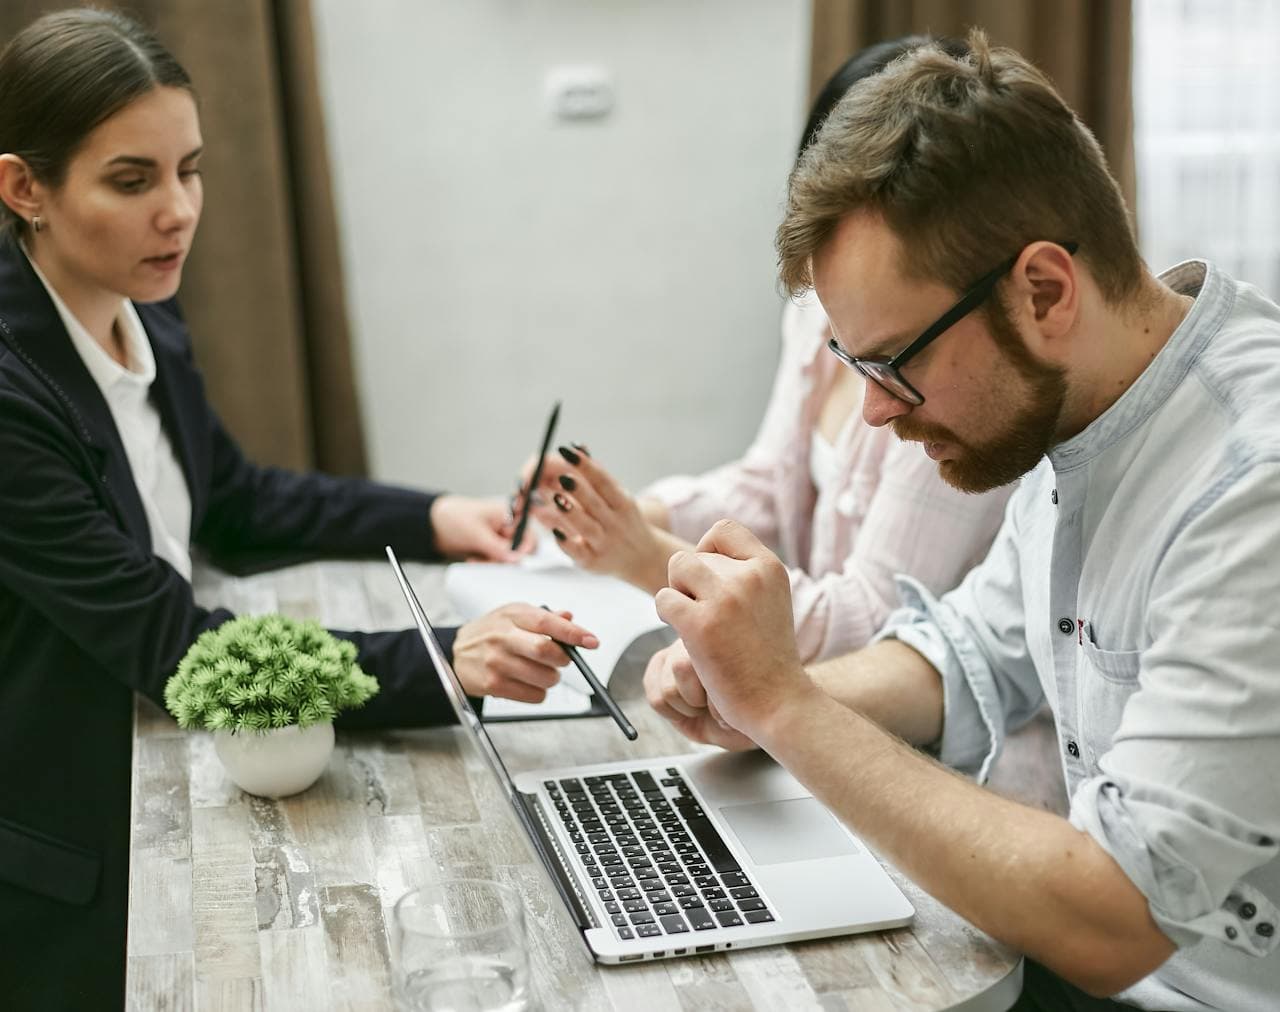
x=704, y=948
x=631, y=959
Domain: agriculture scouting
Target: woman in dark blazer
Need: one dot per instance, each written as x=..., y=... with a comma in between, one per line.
x=100, y=192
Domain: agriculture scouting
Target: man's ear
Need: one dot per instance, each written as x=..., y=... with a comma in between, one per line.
x=19, y=190
x=1048, y=285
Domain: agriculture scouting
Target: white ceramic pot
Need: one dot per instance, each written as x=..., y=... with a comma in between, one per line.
x=276, y=763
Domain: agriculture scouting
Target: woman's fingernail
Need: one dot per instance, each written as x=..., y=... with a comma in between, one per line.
x=567, y=483
x=569, y=455
x=562, y=504
x=558, y=533
x=581, y=449
x=590, y=642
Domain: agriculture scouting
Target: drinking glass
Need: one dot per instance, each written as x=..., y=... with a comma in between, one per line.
x=460, y=946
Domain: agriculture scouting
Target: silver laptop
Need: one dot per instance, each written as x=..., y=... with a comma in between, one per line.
x=685, y=854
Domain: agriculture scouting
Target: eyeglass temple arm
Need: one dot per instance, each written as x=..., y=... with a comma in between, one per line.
x=980, y=290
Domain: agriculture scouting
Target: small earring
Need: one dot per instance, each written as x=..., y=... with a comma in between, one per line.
x=36, y=223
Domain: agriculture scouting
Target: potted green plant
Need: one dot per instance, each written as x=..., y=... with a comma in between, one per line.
x=268, y=687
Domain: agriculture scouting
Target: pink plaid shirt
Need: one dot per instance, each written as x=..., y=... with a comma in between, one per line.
x=886, y=512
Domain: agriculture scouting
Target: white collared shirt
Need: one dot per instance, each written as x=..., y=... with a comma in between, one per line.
x=1134, y=586
x=162, y=487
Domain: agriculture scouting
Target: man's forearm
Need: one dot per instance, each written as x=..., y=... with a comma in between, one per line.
x=891, y=684
x=1027, y=877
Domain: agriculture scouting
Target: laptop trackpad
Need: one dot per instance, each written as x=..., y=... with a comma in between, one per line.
x=778, y=832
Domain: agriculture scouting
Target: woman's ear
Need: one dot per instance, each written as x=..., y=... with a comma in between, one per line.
x=19, y=190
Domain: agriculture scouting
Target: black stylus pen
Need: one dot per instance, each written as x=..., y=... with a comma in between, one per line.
x=598, y=688
x=535, y=477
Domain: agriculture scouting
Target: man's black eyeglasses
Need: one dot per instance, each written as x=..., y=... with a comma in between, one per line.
x=884, y=370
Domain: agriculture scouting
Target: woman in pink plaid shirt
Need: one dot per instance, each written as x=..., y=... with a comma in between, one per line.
x=847, y=506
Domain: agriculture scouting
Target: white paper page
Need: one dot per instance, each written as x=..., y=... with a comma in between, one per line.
x=615, y=611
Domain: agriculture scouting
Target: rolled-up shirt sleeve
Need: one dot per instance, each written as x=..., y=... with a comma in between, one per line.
x=974, y=636
x=1187, y=796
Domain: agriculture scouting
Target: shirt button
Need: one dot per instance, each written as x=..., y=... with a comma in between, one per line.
x=1066, y=626
x=1265, y=928
x=1073, y=749
x=1230, y=931
x=1053, y=497
x=1246, y=911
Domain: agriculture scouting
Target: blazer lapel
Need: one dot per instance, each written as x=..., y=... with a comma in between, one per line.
x=30, y=325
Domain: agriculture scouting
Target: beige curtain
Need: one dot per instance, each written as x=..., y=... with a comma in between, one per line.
x=1085, y=46
x=263, y=290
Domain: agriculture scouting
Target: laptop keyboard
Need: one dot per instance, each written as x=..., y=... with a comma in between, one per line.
x=655, y=859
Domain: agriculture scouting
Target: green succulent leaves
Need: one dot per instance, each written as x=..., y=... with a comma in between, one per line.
x=259, y=672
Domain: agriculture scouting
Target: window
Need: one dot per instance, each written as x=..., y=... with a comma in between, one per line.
x=1207, y=135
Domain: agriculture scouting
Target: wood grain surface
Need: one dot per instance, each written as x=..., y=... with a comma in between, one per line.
x=242, y=903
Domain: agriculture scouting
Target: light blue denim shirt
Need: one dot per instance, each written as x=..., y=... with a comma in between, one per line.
x=1135, y=585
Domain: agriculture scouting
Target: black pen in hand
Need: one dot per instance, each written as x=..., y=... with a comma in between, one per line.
x=518, y=536
x=597, y=686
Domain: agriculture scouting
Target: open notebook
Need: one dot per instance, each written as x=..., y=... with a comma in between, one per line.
x=616, y=612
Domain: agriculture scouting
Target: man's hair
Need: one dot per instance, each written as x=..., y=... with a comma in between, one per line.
x=968, y=158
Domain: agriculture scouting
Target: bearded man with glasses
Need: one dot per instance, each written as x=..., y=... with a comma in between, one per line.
x=976, y=261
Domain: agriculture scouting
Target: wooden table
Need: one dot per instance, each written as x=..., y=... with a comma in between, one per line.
x=238, y=902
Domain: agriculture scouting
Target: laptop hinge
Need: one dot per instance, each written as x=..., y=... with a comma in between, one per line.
x=557, y=867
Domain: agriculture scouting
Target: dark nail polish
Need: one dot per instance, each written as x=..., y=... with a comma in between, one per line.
x=562, y=504
x=581, y=449
x=567, y=483
x=558, y=533
x=569, y=455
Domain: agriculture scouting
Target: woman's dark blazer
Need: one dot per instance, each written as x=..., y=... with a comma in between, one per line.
x=88, y=616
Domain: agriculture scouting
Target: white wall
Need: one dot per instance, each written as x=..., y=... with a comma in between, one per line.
x=498, y=259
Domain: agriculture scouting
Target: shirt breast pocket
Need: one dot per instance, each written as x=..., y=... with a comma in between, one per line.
x=1107, y=679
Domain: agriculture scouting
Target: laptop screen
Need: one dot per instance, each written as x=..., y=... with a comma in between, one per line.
x=453, y=688
x=542, y=844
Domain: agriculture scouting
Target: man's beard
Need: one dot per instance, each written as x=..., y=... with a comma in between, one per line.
x=1025, y=439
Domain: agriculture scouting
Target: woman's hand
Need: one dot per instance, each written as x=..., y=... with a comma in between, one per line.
x=598, y=524
x=672, y=687
x=478, y=529
x=509, y=652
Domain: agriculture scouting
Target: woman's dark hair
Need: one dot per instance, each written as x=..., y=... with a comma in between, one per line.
x=64, y=74
x=862, y=64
